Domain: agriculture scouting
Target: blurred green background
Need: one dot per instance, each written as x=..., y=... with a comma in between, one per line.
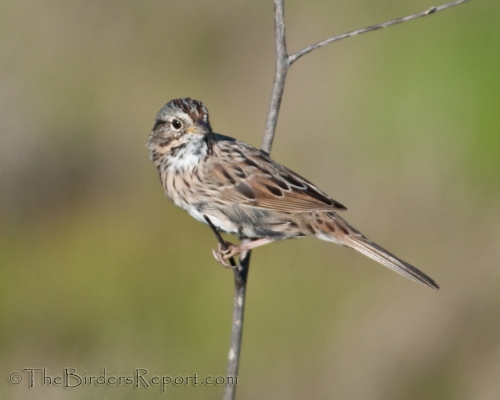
x=99, y=269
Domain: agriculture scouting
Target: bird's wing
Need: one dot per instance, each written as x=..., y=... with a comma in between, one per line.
x=249, y=177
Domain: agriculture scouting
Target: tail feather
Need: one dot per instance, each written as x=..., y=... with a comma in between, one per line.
x=377, y=253
x=343, y=233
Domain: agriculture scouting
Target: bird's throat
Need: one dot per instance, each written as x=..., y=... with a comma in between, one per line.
x=184, y=154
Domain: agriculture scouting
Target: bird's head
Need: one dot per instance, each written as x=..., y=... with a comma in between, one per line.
x=178, y=118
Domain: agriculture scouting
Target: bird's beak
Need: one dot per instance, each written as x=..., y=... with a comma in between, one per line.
x=200, y=127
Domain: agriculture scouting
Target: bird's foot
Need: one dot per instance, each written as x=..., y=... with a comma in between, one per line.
x=222, y=255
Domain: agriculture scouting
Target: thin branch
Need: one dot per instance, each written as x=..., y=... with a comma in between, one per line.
x=284, y=61
x=294, y=57
x=241, y=273
x=240, y=287
x=282, y=65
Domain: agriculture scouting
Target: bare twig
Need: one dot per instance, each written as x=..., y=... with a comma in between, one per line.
x=240, y=280
x=432, y=10
x=283, y=62
x=240, y=287
x=241, y=273
x=282, y=65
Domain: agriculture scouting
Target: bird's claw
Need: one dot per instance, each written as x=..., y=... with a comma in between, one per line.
x=222, y=255
x=219, y=258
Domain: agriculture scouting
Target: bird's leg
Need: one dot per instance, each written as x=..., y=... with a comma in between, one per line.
x=222, y=254
x=222, y=246
x=234, y=250
x=243, y=254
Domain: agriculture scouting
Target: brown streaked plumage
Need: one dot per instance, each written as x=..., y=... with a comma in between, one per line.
x=244, y=192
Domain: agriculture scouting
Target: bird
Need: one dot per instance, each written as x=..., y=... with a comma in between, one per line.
x=241, y=190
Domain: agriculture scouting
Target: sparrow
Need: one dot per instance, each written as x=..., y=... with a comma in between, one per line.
x=244, y=192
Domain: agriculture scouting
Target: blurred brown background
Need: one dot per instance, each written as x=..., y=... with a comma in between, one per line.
x=98, y=269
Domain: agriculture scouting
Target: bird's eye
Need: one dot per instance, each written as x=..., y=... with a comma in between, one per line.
x=176, y=124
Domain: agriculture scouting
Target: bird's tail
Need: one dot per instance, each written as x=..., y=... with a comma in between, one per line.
x=348, y=236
